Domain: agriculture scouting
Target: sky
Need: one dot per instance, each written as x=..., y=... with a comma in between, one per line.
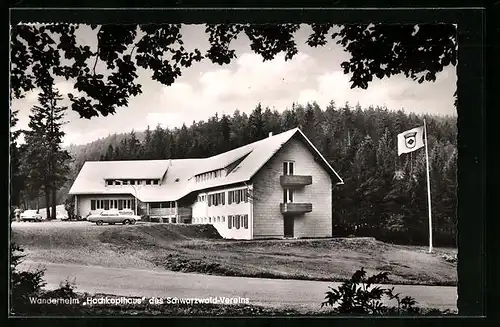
x=314, y=74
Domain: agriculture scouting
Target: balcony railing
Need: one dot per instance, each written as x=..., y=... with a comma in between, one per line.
x=164, y=212
x=295, y=208
x=295, y=180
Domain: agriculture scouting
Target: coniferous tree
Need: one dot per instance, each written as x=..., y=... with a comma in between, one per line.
x=146, y=149
x=16, y=177
x=133, y=146
x=256, y=124
x=46, y=164
x=225, y=130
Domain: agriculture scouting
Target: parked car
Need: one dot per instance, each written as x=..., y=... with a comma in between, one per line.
x=62, y=216
x=31, y=215
x=112, y=217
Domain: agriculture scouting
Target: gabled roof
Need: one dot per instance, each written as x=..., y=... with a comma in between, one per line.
x=179, y=180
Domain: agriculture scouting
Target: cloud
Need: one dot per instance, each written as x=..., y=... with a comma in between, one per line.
x=256, y=79
x=165, y=119
x=394, y=93
x=64, y=88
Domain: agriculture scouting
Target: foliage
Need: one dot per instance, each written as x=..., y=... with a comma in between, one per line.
x=360, y=296
x=42, y=53
x=44, y=162
x=69, y=206
x=418, y=51
x=23, y=284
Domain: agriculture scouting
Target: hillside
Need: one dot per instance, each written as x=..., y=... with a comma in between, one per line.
x=199, y=248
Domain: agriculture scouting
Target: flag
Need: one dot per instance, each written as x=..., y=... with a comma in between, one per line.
x=410, y=140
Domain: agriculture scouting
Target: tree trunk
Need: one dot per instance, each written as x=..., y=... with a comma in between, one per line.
x=54, y=203
x=47, y=203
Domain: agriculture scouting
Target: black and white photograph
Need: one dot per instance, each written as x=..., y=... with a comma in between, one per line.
x=233, y=169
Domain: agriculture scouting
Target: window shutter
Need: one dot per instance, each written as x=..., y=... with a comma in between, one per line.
x=245, y=221
x=229, y=221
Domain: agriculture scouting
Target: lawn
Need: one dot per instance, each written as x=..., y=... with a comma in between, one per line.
x=199, y=248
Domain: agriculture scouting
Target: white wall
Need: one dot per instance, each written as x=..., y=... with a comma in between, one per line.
x=83, y=202
x=268, y=194
x=202, y=211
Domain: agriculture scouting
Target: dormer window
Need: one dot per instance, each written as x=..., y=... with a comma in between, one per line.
x=155, y=182
x=109, y=182
x=148, y=182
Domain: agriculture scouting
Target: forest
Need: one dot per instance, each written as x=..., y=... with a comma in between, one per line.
x=384, y=195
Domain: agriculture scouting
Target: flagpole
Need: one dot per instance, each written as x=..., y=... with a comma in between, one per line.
x=428, y=188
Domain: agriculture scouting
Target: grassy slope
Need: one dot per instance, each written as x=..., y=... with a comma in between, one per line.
x=199, y=248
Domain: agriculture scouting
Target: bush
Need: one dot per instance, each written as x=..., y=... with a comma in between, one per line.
x=69, y=206
x=23, y=284
x=358, y=296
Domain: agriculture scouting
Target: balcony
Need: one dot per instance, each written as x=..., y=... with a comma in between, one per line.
x=183, y=212
x=295, y=208
x=295, y=180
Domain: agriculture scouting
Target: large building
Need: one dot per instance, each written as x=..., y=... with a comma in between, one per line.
x=280, y=186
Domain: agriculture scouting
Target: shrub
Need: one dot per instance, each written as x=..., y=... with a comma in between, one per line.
x=358, y=296
x=23, y=284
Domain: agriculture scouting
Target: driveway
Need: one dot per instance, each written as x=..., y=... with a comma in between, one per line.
x=298, y=294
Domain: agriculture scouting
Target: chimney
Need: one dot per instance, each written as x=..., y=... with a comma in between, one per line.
x=270, y=134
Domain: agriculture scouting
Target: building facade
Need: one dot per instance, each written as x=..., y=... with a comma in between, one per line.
x=277, y=187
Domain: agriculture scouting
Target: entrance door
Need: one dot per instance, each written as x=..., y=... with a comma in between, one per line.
x=288, y=226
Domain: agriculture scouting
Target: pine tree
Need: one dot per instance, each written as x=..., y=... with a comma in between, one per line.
x=158, y=143
x=16, y=178
x=146, y=149
x=133, y=146
x=225, y=131
x=110, y=153
x=256, y=124
x=46, y=164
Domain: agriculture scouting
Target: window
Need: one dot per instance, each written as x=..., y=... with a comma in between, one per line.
x=288, y=167
x=115, y=204
x=229, y=222
x=155, y=182
x=120, y=204
x=106, y=204
x=209, y=219
x=102, y=204
x=92, y=204
x=245, y=221
x=223, y=219
x=148, y=182
x=237, y=221
x=218, y=219
x=109, y=182
x=287, y=195
x=210, y=200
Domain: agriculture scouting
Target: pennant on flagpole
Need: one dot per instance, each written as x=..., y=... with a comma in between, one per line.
x=411, y=140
